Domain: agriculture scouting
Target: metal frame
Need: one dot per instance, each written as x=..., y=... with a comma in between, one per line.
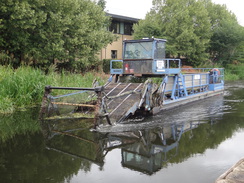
x=116, y=71
x=99, y=106
x=164, y=71
x=167, y=69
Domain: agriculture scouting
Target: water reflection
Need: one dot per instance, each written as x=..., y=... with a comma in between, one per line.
x=163, y=144
x=18, y=123
x=146, y=146
x=146, y=150
x=155, y=147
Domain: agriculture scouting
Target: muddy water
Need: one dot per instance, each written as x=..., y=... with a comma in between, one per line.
x=194, y=144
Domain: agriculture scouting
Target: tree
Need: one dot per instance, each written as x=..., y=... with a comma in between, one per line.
x=228, y=35
x=102, y=3
x=41, y=32
x=238, y=56
x=147, y=28
x=184, y=23
x=19, y=20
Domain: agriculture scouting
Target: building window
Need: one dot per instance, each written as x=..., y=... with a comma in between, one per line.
x=128, y=28
x=113, y=54
x=114, y=27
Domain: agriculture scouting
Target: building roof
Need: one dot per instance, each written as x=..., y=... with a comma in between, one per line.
x=123, y=18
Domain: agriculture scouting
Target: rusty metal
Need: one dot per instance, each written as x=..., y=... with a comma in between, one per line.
x=97, y=119
x=97, y=89
x=100, y=110
x=44, y=104
x=80, y=105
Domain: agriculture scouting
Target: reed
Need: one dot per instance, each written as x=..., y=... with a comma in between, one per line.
x=229, y=76
x=25, y=86
x=21, y=87
x=234, y=72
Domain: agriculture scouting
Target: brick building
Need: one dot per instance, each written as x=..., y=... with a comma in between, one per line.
x=122, y=26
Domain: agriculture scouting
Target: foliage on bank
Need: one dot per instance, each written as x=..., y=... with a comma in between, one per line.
x=40, y=33
x=197, y=30
x=234, y=72
x=19, y=87
x=25, y=86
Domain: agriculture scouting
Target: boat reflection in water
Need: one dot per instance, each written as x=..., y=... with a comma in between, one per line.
x=146, y=150
x=155, y=147
x=146, y=146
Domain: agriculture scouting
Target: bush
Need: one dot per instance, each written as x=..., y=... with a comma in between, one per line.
x=106, y=65
x=234, y=72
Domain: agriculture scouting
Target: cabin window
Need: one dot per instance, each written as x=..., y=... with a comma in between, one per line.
x=138, y=50
x=160, y=50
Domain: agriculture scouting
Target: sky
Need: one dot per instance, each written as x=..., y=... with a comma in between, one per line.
x=139, y=8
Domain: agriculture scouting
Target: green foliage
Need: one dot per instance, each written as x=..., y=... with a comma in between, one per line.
x=42, y=32
x=148, y=27
x=25, y=86
x=195, y=30
x=187, y=32
x=106, y=65
x=238, y=56
x=234, y=72
x=229, y=76
x=102, y=3
x=227, y=34
x=21, y=87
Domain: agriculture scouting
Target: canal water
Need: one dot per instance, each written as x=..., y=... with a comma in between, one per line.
x=195, y=143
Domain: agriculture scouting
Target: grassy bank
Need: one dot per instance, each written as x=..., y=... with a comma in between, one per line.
x=25, y=86
x=234, y=72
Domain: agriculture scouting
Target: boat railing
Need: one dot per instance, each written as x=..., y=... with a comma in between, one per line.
x=216, y=75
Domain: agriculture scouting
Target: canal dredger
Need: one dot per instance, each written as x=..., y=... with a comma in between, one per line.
x=143, y=83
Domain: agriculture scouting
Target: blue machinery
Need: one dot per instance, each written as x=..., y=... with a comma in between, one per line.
x=144, y=82
x=146, y=59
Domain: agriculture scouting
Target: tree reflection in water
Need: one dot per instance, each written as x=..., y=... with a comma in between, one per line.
x=145, y=150
x=69, y=147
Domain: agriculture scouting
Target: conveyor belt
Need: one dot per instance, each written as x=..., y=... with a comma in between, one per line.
x=121, y=98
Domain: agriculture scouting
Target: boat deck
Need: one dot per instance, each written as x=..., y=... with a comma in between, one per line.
x=122, y=99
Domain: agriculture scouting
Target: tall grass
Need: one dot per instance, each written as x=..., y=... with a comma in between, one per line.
x=21, y=87
x=234, y=72
x=25, y=86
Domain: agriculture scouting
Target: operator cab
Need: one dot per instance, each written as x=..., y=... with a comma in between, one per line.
x=145, y=57
x=144, y=49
